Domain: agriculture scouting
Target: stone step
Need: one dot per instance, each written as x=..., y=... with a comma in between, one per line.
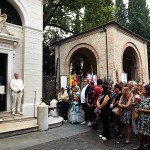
x=16, y=118
x=16, y=127
x=8, y=117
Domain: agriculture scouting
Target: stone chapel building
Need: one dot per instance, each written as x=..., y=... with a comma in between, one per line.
x=21, y=51
x=112, y=49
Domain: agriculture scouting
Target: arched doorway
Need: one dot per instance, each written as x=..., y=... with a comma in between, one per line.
x=82, y=63
x=13, y=16
x=131, y=64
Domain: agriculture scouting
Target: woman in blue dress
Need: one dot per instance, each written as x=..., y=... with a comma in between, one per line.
x=75, y=113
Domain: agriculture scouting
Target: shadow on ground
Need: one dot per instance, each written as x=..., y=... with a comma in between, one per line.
x=86, y=141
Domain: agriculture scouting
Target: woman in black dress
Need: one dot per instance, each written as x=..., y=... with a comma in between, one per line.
x=103, y=104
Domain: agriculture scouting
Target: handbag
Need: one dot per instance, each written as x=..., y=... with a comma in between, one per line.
x=97, y=111
x=116, y=111
x=136, y=114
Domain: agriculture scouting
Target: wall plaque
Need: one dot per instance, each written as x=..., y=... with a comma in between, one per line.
x=2, y=89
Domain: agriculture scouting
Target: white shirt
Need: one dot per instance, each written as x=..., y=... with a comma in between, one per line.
x=16, y=85
x=83, y=100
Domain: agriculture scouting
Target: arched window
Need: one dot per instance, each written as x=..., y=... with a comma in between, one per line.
x=12, y=15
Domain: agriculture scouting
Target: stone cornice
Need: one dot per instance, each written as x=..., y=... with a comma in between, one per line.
x=8, y=39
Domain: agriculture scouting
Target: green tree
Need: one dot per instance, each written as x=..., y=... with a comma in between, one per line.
x=138, y=16
x=49, y=52
x=77, y=22
x=57, y=23
x=121, y=13
x=97, y=13
x=139, y=20
x=59, y=14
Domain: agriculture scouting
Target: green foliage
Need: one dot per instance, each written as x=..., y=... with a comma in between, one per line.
x=97, y=13
x=121, y=13
x=139, y=20
x=49, y=52
x=138, y=16
x=58, y=13
x=76, y=26
x=58, y=21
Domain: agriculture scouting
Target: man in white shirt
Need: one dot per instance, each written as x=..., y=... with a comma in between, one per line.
x=17, y=87
x=83, y=100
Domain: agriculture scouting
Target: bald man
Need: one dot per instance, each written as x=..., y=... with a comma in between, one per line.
x=17, y=87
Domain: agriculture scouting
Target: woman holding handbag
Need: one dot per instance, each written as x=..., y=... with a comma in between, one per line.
x=116, y=110
x=135, y=102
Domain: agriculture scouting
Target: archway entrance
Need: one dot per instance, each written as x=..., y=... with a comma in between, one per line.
x=83, y=63
x=3, y=80
x=130, y=64
x=12, y=14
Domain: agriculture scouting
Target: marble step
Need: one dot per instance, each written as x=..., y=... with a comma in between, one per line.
x=26, y=125
x=8, y=117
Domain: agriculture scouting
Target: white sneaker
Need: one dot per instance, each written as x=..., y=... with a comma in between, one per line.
x=100, y=136
x=20, y=113
x=13, y=113
x=83, y=123
x=89, y=124
x=103, y=138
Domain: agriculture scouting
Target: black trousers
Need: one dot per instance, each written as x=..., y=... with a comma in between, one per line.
x=90, y=113
x=63, y=110
x=85, y=109
x=106, y=126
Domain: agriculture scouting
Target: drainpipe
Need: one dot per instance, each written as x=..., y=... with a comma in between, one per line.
x=59, y=66
x=105, y=30
x=56, y=77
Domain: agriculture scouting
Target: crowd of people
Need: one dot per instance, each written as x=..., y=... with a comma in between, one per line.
x=126, y=106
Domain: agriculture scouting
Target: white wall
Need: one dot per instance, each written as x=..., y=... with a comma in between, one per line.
x=26, y=57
